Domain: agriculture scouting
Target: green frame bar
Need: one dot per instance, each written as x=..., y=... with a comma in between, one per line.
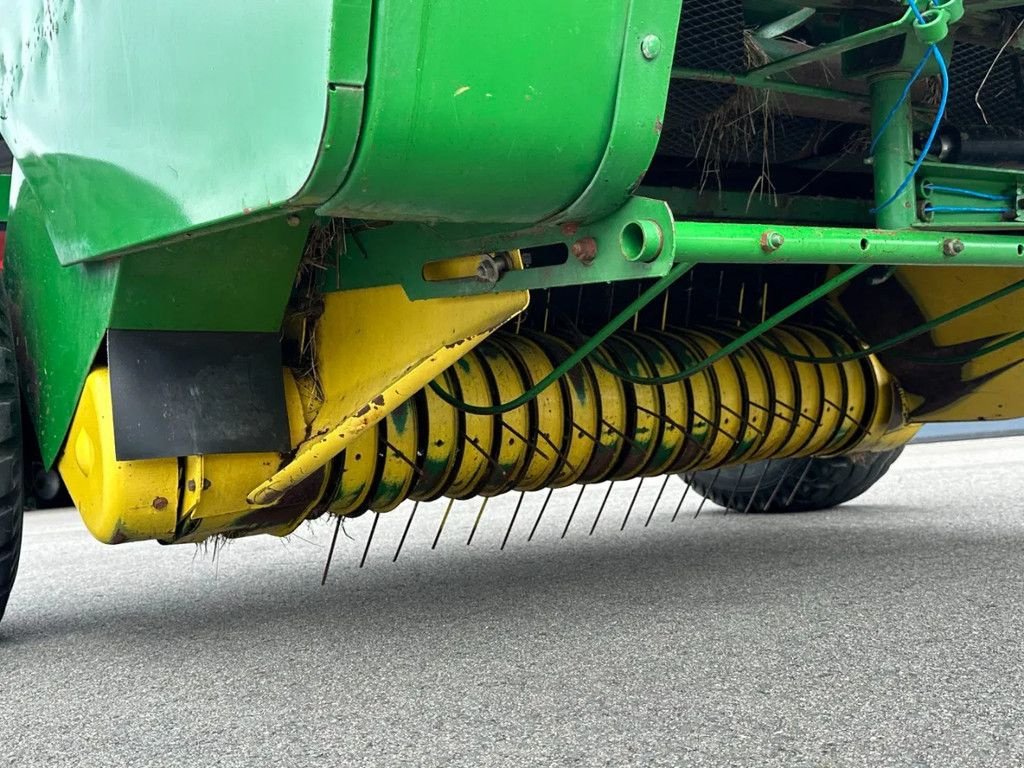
x=785, y=244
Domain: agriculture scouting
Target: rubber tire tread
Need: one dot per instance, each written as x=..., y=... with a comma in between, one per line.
x=793, y=485
x=11, y=485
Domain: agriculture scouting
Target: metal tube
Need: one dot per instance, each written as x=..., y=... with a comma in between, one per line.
x=787, y=244
x=780, y=86
x=894, y=150
x=859, y=40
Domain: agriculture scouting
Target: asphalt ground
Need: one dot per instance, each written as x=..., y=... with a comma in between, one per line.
x=885, y=633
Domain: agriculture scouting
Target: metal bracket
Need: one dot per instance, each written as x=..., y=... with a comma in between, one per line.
x=635, y=242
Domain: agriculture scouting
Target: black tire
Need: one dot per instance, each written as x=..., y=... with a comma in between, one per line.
x=11, y=488
x=793, y=485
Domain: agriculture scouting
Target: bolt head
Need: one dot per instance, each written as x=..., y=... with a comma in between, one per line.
x=650, y=47
x=293, y=220
x=952, y=246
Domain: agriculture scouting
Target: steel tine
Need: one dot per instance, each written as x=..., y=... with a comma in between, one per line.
x=476, y=522
x=515, y=514
x=369, y=539
x=732, y=495
x=656, y=500
x=444, y=519
x=631, y=504
x=408, y=525
x=540, y=514
x=799, y=482
x=600, y=509
x=710, y=489
x=778, y=485
x=572, y=512
x=757, y=487
x=682, y=498
x=330, y=552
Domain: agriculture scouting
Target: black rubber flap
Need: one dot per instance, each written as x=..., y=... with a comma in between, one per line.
x=193, y=393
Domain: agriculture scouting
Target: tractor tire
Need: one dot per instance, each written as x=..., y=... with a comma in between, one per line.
x=11, y=487
x=793, y=485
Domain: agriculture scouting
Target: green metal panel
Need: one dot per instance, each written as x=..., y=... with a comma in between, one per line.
x=62, y=312
x=59, y=314
x=136, y=121
x=5, y=195
x=396, y=255
x=502, y=112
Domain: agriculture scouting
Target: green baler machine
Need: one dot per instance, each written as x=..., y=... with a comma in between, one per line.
x=267, y=263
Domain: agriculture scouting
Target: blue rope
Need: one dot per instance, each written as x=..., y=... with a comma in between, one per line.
x=969, y=193
x=934, y=52
x=964, y=209
x=892, y=112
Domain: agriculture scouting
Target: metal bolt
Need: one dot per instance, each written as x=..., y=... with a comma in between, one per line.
x=650, y=47
x=293, y=220
x=771, y=241
x=585, y=249
x=952, y=246
x=490, y=267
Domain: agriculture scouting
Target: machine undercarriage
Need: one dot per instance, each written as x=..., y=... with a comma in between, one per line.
x=648, y=238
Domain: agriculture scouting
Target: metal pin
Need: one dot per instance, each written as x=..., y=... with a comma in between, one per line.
x=476, y=522
x=444, y=519
x=622, y=435
x=732, y=494
x=582, y=431
x=656, y=500
x=540, y=514
x=547, y=309
x=600, y=509
x=664, y=309
x=408, y=525
x=710, y=489
x=764, y=302
x=330, y=552
x=636, y=317
x=563, y=456
x=521, y=436
x=579, y=305
x=515, y=514
x=757, y=487
x=572, y=512
x=475, y=442
x=369, y=539
x=679, y=506
x=404, y=458
x=739, y=308
x=799, y=482
x=778, y=485
x=631, y=503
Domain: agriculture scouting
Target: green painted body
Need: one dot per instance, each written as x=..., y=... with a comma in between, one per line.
x=156, y=180
x=171, y=159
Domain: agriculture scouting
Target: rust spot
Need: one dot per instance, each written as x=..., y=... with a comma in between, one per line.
x=585, y=250
x=206, y=483
x=363, y=411
x=570, y=228
x=159, y=503
x=378, y=401
x=191, y=485
x=658, y=125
